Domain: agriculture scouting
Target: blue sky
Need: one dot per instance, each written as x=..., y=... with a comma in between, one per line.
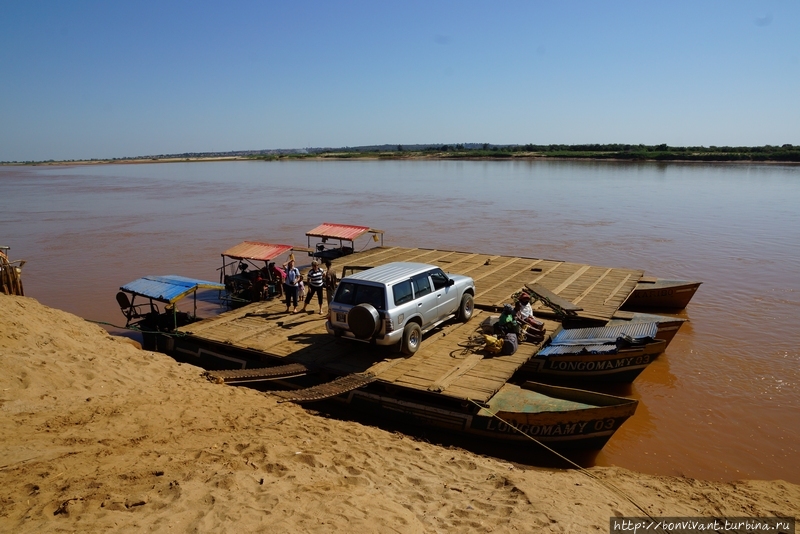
x=112, y=79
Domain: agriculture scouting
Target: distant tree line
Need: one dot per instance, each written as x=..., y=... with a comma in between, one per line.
x=662, y=152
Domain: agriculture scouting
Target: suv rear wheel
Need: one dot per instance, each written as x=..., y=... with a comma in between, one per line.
x=412, y=337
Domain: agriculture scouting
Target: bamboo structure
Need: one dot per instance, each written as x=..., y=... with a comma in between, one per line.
x=10, y=275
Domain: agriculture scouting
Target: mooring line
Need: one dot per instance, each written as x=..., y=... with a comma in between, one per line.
x=583, y=470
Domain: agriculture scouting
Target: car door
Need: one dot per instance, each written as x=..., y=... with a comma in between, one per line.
x=425, y=299
x=446, y=293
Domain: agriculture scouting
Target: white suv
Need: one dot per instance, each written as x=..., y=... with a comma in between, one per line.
x=396, y=303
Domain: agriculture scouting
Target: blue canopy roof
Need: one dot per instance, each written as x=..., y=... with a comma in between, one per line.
x=169, y=288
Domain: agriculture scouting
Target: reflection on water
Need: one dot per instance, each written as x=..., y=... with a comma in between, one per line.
x=721, y=403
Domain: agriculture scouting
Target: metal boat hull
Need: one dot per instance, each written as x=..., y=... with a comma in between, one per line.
x=622, y=366
x=559, y=417
x=661, y=294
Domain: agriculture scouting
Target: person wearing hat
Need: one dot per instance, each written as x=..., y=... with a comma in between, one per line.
x=525, y=313
x=525, y=309
x=315, y=283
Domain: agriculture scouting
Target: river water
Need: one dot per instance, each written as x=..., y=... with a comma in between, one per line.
x=723, y=402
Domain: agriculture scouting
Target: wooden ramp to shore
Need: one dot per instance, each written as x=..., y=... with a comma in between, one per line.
x=448, y=363
x=598, y=291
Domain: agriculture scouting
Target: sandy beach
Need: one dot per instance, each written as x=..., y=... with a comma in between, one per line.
x=100, y=435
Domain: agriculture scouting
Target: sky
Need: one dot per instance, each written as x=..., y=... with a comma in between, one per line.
x=83, y=79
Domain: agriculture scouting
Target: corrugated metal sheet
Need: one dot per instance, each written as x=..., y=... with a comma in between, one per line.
x=169, y=288
x=253, y=250
x=596, y=340
x=338, y=231
x=552, y=350
x=604, y=334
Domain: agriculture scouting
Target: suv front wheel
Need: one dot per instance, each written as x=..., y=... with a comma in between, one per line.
x=467, y=308
x=412, y=337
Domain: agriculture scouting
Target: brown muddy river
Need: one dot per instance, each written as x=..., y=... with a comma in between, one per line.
x=722, y=403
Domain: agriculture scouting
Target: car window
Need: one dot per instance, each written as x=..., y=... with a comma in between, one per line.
x=439, y=279
x=422, y=285
x=402, y=293
x=345, y=293
x=371, y=295
x=353, y=294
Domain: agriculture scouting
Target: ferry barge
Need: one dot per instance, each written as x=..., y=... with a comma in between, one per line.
x=450, y=382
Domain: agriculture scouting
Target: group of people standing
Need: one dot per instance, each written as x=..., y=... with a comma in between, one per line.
x=318, y=279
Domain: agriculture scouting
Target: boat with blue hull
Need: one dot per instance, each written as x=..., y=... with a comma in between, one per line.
x=617, y=353
x=668, y=325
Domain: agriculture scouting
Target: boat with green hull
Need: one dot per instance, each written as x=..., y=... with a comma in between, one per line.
x=560, y=417
x=617, y=353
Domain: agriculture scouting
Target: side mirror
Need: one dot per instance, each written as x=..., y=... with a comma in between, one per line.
x=450, y=282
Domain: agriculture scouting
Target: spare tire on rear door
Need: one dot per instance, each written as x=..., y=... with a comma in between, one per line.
x=363, y=320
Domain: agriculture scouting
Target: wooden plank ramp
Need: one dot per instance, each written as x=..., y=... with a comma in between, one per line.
x=239, y=376
x=343, y=384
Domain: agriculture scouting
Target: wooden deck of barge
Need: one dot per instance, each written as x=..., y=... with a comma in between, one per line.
x=599, y=291
x=444, y=365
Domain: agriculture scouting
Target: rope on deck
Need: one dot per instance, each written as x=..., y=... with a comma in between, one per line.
x=581, y=469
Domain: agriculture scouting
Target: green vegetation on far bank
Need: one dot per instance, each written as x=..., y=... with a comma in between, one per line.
x=780, y=154
x=784, y=153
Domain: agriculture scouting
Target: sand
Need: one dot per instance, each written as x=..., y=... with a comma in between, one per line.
x=97, y=434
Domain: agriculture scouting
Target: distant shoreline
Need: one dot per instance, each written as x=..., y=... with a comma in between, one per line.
x=786, y=153
x=380, y=157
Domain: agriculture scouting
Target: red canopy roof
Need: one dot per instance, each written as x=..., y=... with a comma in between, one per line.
x=252, y=250
x=339, y=231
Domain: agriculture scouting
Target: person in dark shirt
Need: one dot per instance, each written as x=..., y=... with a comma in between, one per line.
x=506, y=324
x=330, y=282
